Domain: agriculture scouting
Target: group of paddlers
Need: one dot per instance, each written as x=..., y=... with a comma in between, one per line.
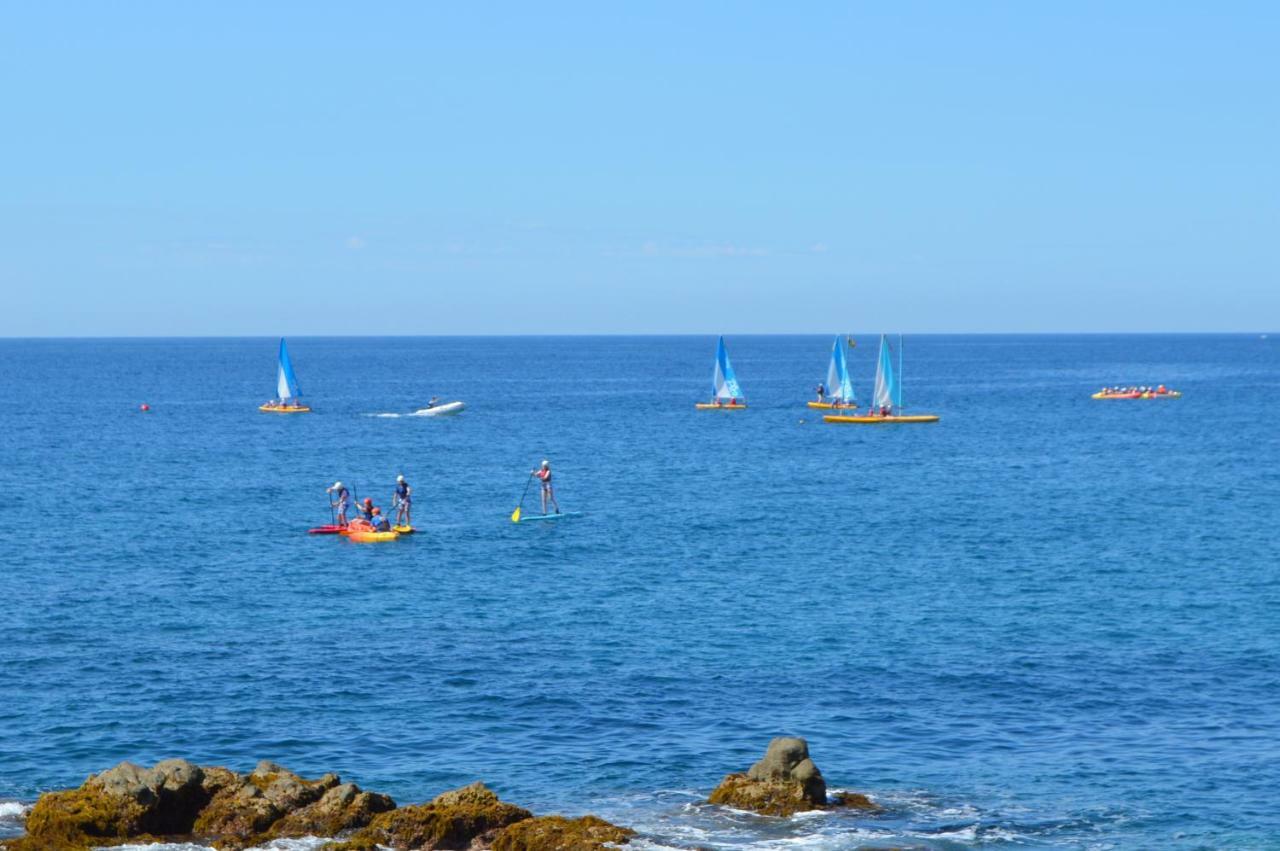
x=402, y=503
x=1143, y=390
x=367, y=512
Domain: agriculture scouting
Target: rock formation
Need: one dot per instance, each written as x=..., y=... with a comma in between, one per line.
x=452, y=820
x=783, y=783
x=564, y=834
x=176, y=800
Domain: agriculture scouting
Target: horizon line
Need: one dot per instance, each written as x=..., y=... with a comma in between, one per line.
x=305, y=336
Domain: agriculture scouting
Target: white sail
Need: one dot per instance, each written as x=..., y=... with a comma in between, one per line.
x=286, y=382
x=885, y=392
x=839, y=386
x=283, y=390
x=724, y=381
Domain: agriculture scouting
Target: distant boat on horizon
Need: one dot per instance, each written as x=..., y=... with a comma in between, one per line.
x=839, y=386
x=726, y=394
x=287, y=388
x=886, y=398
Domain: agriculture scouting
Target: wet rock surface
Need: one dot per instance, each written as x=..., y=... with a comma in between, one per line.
x=786, y=781
x=470, y=817
x=546, y=833
x=176, y=799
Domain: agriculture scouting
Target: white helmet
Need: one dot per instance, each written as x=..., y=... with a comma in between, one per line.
x=337, y=486
x=399, y=478
x=546, y=463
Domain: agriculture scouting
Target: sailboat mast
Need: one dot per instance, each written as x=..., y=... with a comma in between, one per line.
x=900, y=371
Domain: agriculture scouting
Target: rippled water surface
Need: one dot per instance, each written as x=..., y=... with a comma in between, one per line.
x=1043, y=622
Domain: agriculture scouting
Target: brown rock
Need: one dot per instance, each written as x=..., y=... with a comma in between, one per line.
x=242, y=807
x=458, y=819
x=855, y=801
x=557, y=833
x=784, y=782
x=343, y=807
x=127, y=801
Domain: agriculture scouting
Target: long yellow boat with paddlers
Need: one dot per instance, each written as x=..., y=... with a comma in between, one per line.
x=1160, y=392
x=886, y=400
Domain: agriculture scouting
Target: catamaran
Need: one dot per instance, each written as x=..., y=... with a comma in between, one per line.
x=886, y=400
x=286, y=388
x=726, y=394
x=839, y=388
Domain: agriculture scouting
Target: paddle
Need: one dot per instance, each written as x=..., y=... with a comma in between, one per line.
x=515, y=515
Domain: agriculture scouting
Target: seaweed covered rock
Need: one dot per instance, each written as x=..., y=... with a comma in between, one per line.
x=242, y=807
x=854, y=801
x=557, y=833
x=784, y=782
x=178, y=800
x=344, y=807
x=458, y=819
x=123, y=802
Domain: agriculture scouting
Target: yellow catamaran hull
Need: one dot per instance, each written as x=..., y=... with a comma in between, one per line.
x=873, y=420
x=832, y=406
x=285, y=409
x=708, y=406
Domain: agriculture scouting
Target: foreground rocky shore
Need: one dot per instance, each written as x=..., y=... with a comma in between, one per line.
x=176, y=800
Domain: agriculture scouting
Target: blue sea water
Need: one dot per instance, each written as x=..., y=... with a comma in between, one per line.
x=1044, y=622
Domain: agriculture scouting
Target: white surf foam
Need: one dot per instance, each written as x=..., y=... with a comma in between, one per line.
x=13, y=811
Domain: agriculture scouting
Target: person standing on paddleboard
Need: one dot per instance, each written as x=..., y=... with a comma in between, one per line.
x=403, y=502
x=340, y=499
x=548, y=492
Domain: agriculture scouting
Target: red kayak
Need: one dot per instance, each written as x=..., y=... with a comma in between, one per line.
x=327, y=530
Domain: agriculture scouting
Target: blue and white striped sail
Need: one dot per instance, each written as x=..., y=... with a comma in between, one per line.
x=286, y=381
x=888, y=392
x=839, y=386
x=724, y=381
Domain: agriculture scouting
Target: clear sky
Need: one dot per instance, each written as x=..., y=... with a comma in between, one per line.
x=421, y=168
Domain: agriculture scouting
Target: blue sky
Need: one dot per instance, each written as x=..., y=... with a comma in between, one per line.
x=388, y=168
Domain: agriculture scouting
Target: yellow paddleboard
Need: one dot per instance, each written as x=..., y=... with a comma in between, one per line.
x=403, y=530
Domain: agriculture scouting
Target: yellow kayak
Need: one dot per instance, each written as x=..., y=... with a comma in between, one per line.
x=887, y=420
x=285, y=409
x=372, y=537
x=711, y=406
x=832, y=406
